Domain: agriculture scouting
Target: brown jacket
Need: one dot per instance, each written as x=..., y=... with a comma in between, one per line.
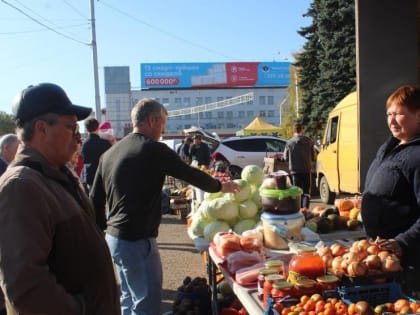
x=53, y=258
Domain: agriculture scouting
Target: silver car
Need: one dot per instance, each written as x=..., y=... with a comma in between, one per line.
x=237, y=152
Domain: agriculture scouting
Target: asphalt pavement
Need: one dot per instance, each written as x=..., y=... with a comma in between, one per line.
x=179, y=258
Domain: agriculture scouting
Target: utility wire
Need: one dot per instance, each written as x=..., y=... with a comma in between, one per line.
x=43, y=24
x=40, y=16
x=163, y=31
x=76, y=10
x=42, y=30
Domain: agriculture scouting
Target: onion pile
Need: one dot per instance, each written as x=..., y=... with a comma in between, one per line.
x=362, y=258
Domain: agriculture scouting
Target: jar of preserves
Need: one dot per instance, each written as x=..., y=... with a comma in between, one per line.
x=328, y=282
x=281, y=289
x=268, y=286
x=306, y=265
x=261, y=278
x=275, y=264
x=305, y=287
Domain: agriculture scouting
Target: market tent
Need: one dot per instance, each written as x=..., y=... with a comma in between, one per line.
x=259, y=127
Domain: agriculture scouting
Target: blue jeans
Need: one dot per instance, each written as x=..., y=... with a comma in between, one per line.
x=139, y=270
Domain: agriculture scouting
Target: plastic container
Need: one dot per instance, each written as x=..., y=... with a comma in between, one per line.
x=280, y=229
x=374, y=294
x=306, y=265
x=281, y=201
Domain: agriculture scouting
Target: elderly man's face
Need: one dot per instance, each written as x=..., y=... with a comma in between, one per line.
x=62, y=138
x=10, y=151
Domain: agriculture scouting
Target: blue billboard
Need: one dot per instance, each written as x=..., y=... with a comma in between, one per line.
x=214, y=75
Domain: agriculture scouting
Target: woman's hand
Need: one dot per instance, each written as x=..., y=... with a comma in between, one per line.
x=390, y=245
x=230, y=187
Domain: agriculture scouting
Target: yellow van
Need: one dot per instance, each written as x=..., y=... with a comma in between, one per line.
x=337, y=165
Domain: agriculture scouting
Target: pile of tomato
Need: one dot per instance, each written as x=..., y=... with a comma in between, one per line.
x=317, y=305
x=314, y=305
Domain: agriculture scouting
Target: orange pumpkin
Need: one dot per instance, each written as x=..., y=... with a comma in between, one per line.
x=344, y=204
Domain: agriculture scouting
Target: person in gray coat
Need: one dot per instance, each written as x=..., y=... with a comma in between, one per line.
x=54, y=259
x=300, y=153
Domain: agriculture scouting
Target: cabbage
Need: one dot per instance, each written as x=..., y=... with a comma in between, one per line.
x=243, y=226
x=212, y=228
x=233, y=221
x=211, y=196
x=203, y=209
x=255, y=196
x=253, y=174
x=222, y=209
x=247, y=209
x=244, y=193
x=199, y=222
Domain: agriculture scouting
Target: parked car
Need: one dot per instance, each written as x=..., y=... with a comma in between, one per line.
x=237, y=152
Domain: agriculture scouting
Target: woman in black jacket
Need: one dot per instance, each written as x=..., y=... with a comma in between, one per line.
x=391, y=200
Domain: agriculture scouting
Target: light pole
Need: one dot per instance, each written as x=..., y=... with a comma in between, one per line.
x=297, y=94
x=198, y=112
x=95, y=62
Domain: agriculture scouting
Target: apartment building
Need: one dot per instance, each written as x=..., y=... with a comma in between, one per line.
x=219, y=97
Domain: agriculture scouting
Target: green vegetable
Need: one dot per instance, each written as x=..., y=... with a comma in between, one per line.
x=212, y=228
x=222, y=209
x=244, y=193
x=244, y=225
x=253, y=174
x=247, y=209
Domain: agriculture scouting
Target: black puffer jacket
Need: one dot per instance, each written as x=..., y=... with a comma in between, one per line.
x=391, y=200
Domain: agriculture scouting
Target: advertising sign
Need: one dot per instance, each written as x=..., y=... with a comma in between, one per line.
x=214, y=75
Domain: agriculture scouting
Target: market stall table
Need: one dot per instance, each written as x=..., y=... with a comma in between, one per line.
x=248, y=296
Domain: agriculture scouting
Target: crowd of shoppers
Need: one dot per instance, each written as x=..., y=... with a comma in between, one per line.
x=60, y=260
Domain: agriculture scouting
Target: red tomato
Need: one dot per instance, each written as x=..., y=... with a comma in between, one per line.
x=320, y=306
x=309, y=305
x=329, y=311
x=351, y=309
x=340, y=308
x=286, y=311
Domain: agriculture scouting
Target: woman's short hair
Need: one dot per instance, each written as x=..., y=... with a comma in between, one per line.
x=146, y=108
x=407, y=96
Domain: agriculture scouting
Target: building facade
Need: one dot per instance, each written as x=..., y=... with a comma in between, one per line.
x=189, y=86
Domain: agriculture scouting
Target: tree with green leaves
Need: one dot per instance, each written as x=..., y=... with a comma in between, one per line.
x=288, y=110
x=327, y=64
x=7, y=123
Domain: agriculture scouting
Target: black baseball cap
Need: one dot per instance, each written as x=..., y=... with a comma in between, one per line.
x=44, y=98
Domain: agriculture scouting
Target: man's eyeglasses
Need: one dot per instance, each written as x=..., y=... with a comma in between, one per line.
x=73, y=127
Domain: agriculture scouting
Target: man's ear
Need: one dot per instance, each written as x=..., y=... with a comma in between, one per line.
x=40, y=126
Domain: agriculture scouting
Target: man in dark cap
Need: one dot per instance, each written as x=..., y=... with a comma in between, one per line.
x=54, y=260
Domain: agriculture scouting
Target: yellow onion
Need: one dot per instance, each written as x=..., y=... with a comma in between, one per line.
x=373, y=262
x=357, y=269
